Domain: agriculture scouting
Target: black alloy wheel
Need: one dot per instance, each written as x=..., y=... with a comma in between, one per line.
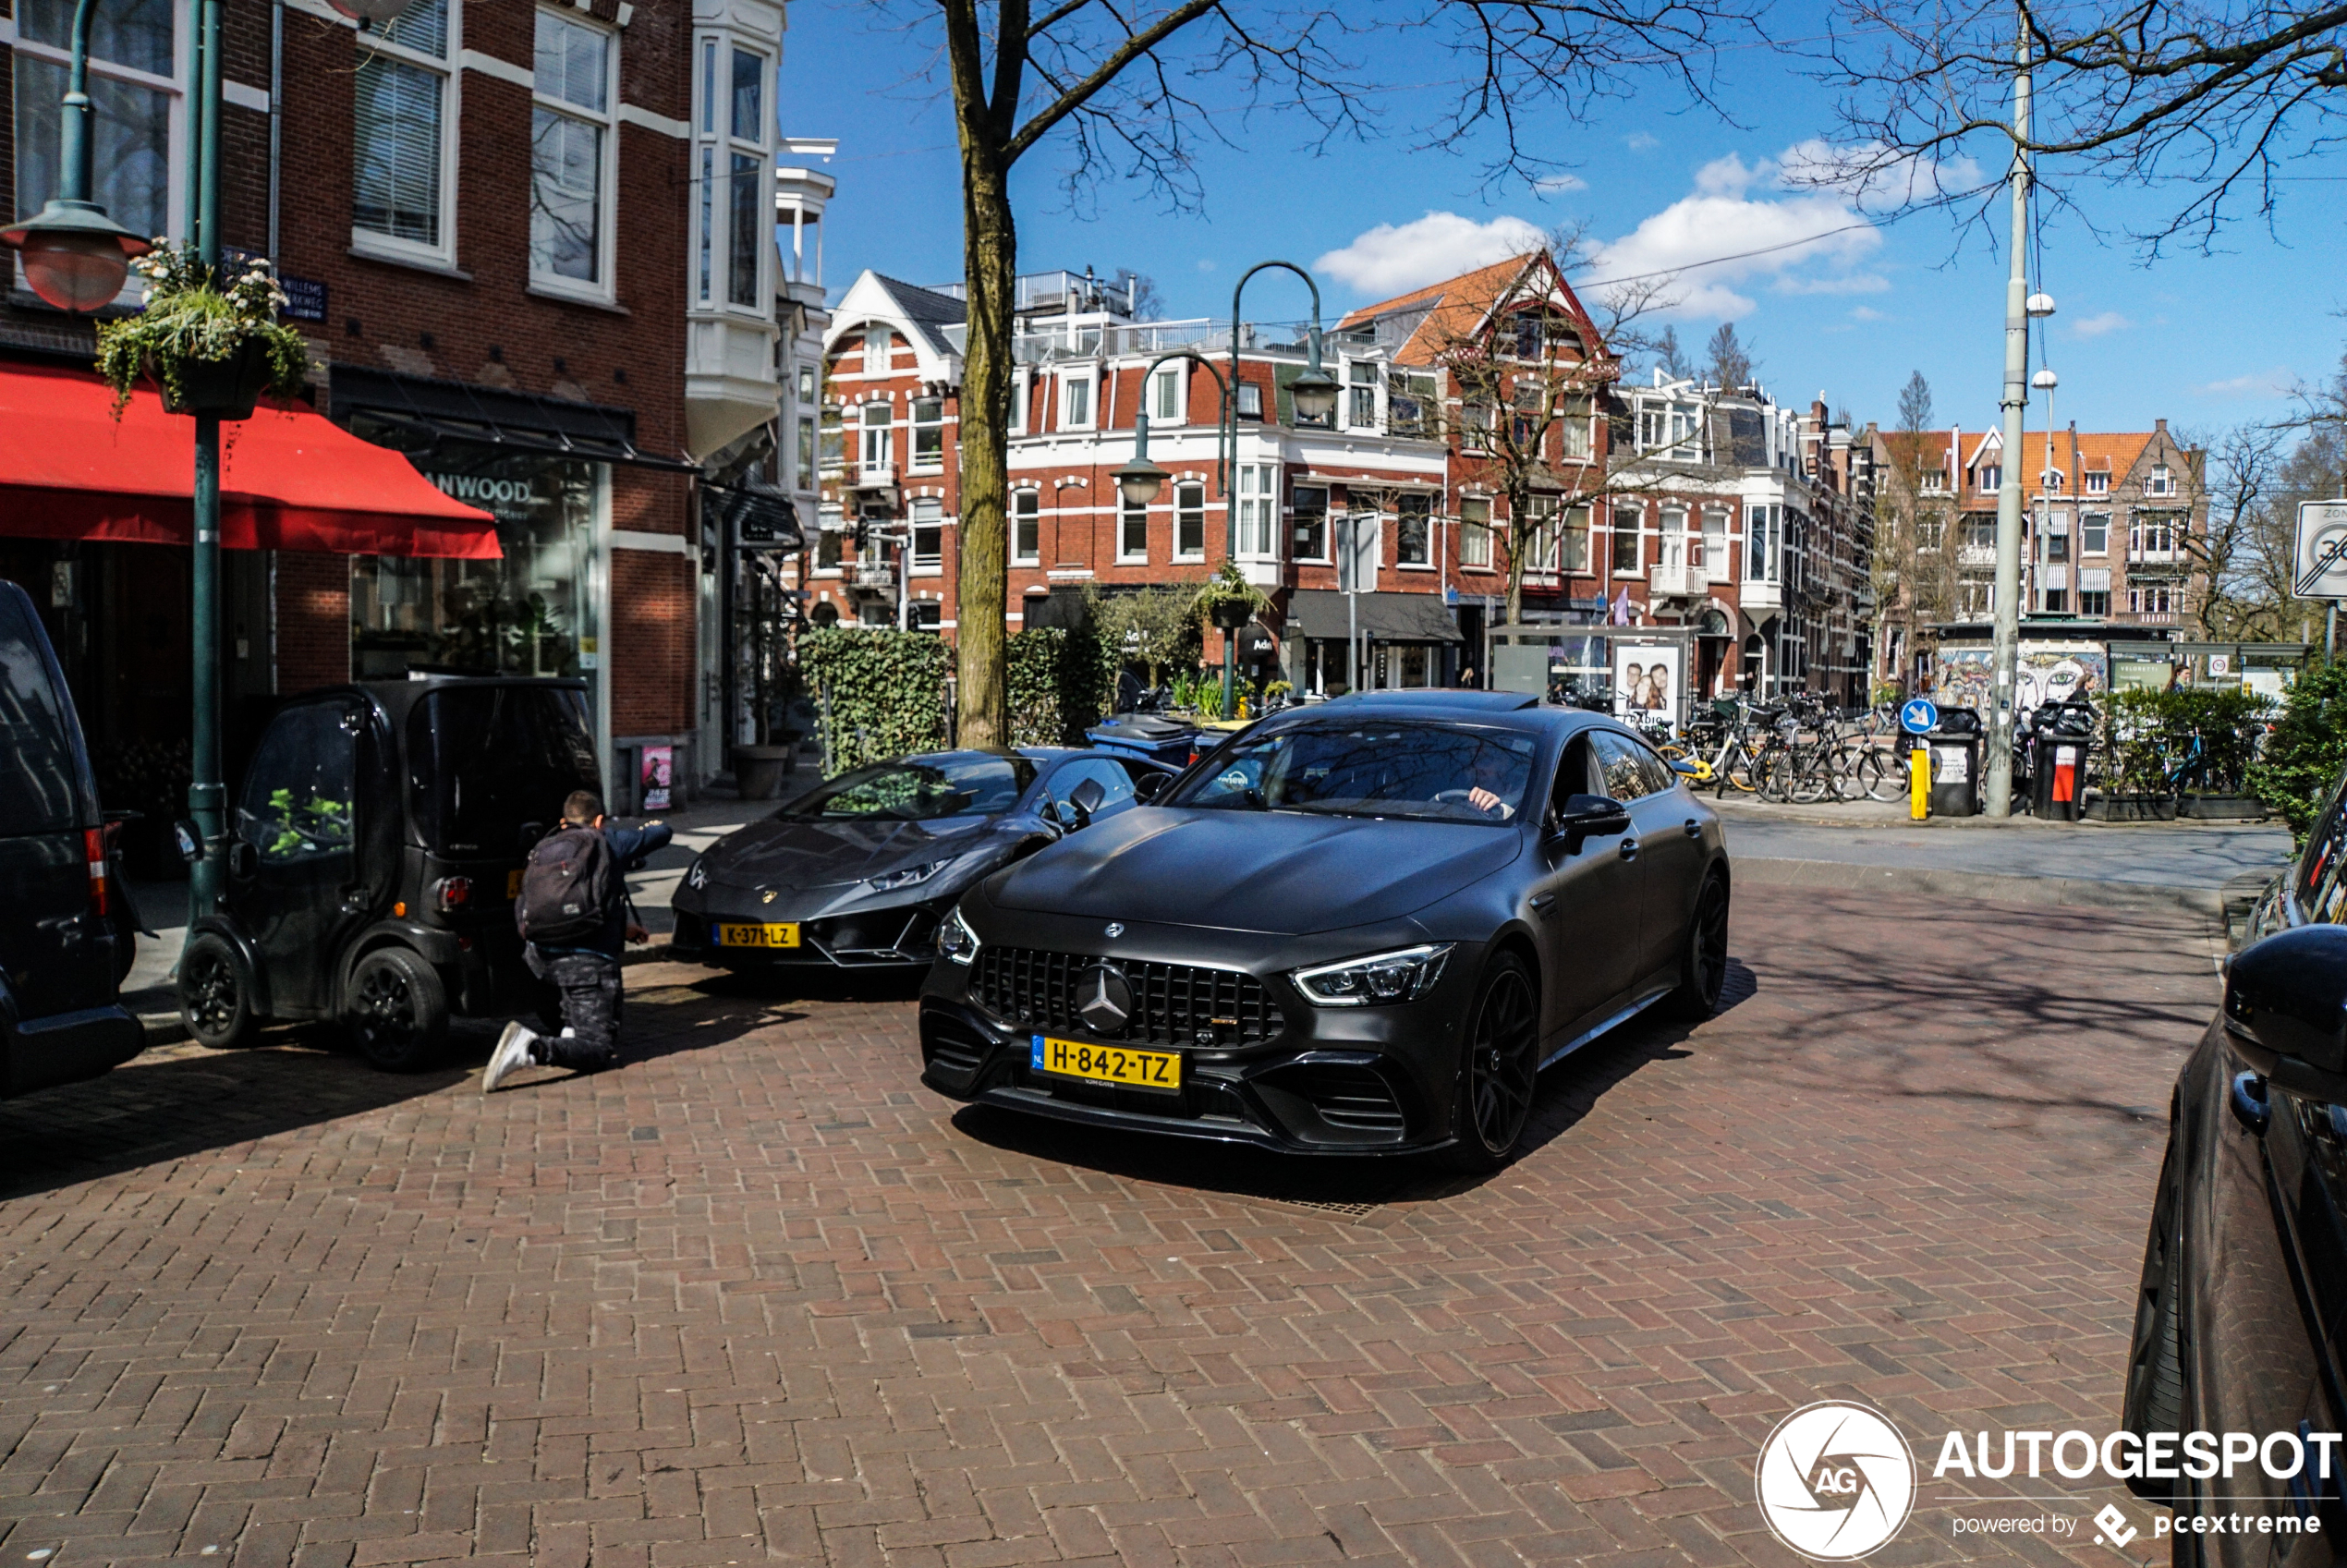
x=215, y=999
x=398, y=1010
x=1502, y=1064
x=1703, y=971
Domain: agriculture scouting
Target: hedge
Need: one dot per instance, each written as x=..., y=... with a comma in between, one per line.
x=1058, y=684
x=2307, y=749
x=2151, y=734
x=881, y=693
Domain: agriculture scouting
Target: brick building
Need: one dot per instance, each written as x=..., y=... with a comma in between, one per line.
x=496, y=223
x=1409, y=463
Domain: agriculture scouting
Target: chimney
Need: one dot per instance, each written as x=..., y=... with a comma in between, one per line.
x=2159, y=425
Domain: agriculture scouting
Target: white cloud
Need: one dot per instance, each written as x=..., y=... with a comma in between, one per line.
x=1639, y=141
x=1550, y=184
x=2096, y=326
x=1867, y=313
x=1852, y=282
x=1395, y=258
x=2280, y=382
x=1206, y=263
x=1868, y=175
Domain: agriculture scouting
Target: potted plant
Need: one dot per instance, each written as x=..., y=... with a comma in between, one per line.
x=1228, y=600
x=212, y=349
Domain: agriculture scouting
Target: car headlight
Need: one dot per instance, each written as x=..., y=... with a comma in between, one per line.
x=1403, y=975
x=909, y=876
x=699, y=876
x=955, y=937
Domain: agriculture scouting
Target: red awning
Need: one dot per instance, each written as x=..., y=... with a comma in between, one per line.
x=290, y=479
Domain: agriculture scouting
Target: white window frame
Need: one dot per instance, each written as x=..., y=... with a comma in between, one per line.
x=714, y=145
x=1029, y=557
x=914, y=426
x=1990, y=478
x=391, y=247
x=1360, y=376
x=1181, y=488
x=1257, y=492
x=1174, y=379
x=604, y=290
x=1022, y=389
x=175, y=86
x=2159, y=482
x=887, y=335
x=1126, y=513
x=1479, y=534
x=1613, y=566
x=1090, y=382
x=2099, y=482
x=865, y=429
x=919, y=564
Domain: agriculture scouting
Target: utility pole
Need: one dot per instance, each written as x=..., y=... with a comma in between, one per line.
x=207, y=795
x=2005, y=649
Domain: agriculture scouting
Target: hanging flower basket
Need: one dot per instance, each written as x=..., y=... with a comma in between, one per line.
x=227, y=389
x=1228, y=600
x=211, y=349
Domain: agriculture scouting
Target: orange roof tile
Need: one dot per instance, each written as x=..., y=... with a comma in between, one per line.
x=1457, y=308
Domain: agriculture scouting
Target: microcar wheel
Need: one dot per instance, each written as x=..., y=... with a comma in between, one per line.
x=398, y=1010
x=215, y=993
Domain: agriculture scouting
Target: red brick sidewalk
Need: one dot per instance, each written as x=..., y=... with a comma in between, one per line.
x=760, y=1297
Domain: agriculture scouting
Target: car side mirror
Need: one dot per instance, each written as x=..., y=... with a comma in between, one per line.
x=243, y=861
x=528, y=837
x=1086, y=798
x=2286, y=997
x=191, y=840
x=1589, y=816
x=1150, y=785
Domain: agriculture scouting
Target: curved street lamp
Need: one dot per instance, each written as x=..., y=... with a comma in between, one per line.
x=76, y=257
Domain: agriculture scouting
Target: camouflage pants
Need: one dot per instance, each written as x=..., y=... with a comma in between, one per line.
x=590, y=993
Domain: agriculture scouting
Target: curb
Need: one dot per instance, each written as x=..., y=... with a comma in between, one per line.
x=2076, y=892
x=1733, y=810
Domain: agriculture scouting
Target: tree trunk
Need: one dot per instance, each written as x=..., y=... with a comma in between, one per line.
x=1519, y=538
x=990, y=252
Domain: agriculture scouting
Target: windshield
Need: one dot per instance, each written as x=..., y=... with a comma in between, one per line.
x=915, y=789
x=1445, y=772
x=482, y=760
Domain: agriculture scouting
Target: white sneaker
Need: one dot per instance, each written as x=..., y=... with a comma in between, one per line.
x=513, y=1052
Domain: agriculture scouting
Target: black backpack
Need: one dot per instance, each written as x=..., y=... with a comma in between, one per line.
x=567, y=888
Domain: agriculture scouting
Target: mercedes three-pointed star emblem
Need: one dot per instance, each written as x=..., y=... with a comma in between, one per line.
x=1104, y=998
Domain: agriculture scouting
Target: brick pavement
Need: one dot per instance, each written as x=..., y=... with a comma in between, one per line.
x=758, y=1297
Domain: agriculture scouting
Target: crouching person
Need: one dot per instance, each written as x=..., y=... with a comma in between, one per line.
x=574, y=918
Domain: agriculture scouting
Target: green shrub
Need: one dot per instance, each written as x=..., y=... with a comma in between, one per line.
x=881, y=693
x=1058, y=682
x=2150, y=736
x=2309, y=748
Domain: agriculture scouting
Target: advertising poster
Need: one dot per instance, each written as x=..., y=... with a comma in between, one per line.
x=2050, y=672
x=1645, y=681
x=660, y=768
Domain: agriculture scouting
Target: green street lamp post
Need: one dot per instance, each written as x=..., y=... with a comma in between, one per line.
x=1314, y=392
x=76, y=257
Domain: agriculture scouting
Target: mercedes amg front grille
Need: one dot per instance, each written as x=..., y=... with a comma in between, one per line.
x=1174, y=1004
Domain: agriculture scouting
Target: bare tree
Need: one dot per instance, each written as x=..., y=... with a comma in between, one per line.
x=2208, y=95
x=1669, y=357
x=2241, y=472
x=1913, y=558
x=1133, y=91
x=1732, y=368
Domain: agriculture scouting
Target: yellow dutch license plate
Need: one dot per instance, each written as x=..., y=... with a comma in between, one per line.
x=784, y=934
x=513, y=885
x=1106, y=1063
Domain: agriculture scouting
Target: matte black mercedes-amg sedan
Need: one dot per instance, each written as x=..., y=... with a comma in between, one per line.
x=858, y=872
x=1360, y=927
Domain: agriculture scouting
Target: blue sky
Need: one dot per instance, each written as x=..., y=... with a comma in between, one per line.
x=2203, y=341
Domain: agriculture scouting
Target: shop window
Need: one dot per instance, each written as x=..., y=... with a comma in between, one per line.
x=399, y=97
x=929, y=433
x=929, y=532
x=1027, y=527
x=1475, y=531
x=1414, y=530
x=131, y=131
x=1311, y=522
x=571, y=126
x=1189, y=522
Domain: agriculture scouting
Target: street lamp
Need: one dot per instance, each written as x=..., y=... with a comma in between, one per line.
x=76, y=257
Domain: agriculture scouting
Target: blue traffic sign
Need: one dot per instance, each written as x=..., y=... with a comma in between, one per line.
x=1919, y=716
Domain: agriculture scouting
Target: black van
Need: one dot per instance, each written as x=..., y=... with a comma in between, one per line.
x=378, y=841
x=59, y=1017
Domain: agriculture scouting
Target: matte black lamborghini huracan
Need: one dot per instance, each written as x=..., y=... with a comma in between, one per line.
x=1363, y=925
x=858, y=871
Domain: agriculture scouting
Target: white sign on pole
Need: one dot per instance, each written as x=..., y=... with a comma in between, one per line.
x=2322, y=550
x=1357, y=560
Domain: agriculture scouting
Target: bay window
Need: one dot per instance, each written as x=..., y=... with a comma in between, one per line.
x=570, y=142
x=732, y=154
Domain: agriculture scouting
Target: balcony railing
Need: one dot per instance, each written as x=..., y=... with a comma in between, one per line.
x=1761, y=595
x=1678, y=582
x=875, y=475
x=875, y=574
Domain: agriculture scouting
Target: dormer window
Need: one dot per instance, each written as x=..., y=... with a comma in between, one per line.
x=2053, y=478
x=2098, y=483
x=1990, y=476
x=1935, y=482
